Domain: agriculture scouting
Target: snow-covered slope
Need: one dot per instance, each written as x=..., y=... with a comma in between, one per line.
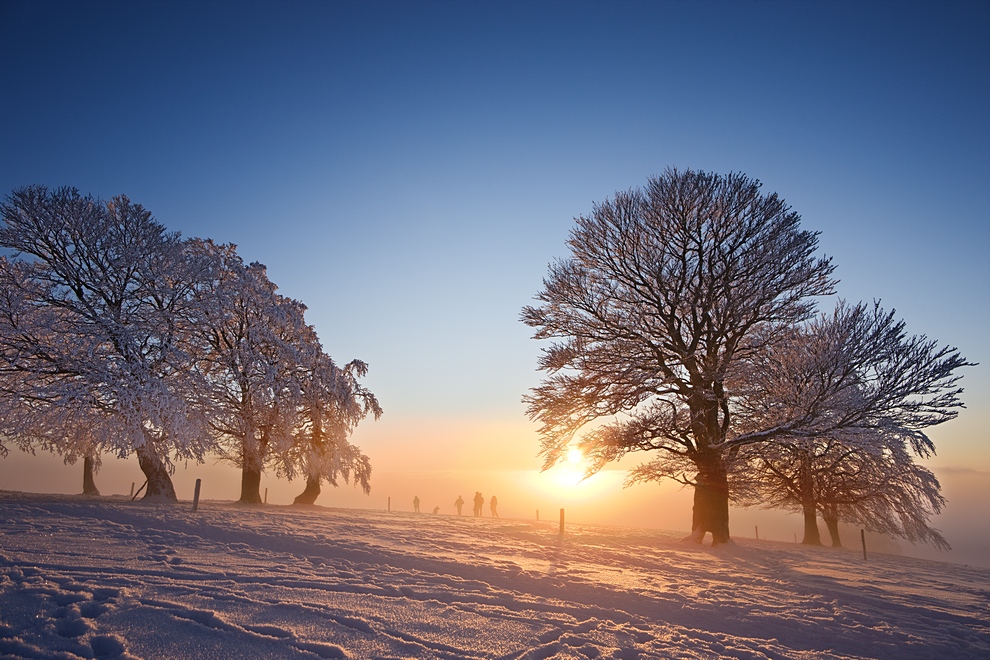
x=111, y=578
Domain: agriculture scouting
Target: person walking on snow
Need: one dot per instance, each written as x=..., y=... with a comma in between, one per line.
x=416, y=504
x=494, y=507
x=459, y=503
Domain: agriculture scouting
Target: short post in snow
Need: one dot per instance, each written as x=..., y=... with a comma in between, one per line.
x=132, y=490
x=862, y=537
x=537, y=515
x=266, y=496
x=199, y=482
x=390, y=504
x=757, y=532
x=562, y=522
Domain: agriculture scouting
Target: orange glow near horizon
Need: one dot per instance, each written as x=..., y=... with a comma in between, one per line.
x=568, y=478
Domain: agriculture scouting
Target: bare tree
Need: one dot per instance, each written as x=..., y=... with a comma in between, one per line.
x=684, y=326
x=668, y=288
x=874, y=483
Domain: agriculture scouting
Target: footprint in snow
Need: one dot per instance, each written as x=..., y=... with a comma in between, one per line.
x=71, y=627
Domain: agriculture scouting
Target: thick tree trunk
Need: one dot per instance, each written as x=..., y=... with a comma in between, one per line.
x=711, y=505
x=251, y=470
x=808, y=506
x=831, y=518
x=89, y=483
x=811, y=535
x=312, y=491
x=160, y=486
x=250, y=486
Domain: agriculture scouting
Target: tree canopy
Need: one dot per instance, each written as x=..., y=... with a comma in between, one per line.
x=683, y=323
x=119, y=336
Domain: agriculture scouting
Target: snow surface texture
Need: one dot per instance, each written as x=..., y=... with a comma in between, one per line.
x=110, y=578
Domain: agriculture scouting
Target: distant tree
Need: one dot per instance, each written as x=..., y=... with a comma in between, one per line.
x=248, y=340
x=875, y=484
x=274, y=400
x=685, y=314
x=886, y=492
x=95, y=299
x=333, y=403
x=864, y=394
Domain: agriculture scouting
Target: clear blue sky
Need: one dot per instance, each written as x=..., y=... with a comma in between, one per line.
x=408, y=169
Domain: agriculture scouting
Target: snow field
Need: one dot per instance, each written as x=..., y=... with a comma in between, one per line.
x=108, y=578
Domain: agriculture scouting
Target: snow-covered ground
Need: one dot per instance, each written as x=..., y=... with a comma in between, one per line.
x=111, y=578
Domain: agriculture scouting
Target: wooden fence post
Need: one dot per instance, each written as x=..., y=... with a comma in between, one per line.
x=862, y=537
x=199, y=482
x=561, y=521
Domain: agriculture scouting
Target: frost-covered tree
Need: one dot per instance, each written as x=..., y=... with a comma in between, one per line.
x=886, y=492
x=249, y=341
x=684, y=327
x=874, y=483
x=95, y=298
x=850, y=396
x=274, y=400
x=666, y=289
x=333, y=403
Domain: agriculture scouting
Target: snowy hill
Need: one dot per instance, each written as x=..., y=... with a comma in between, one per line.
x=111, y=578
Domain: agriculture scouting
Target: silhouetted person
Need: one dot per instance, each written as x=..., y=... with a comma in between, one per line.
x=436, y=509
x=479, y=501
x=493, y=505
x=459, y=504
x=416, y=504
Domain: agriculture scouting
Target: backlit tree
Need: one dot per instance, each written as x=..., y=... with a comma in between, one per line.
x=683, y=326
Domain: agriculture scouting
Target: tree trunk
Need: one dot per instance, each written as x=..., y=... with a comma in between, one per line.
x=250, y=486
x=831, y=518
x=89, y=483
x=251, y=471
x=711, y=505
x=312, y=491
x=811, y=534
x=808, y=506
x=160, y=486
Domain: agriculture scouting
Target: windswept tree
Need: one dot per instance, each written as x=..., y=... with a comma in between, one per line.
x=333, y=403
x=874, y=483
x=849, y=397
x=93, y=327
x=668, y=321
x=885, y=491
x=273, y=399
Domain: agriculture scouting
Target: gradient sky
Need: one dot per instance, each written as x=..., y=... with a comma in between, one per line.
x=409, y=169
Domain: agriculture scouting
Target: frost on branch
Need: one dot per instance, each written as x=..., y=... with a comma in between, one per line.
x=273, y=398
x=665, y=291
x=94, y=302
x=682, y=324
